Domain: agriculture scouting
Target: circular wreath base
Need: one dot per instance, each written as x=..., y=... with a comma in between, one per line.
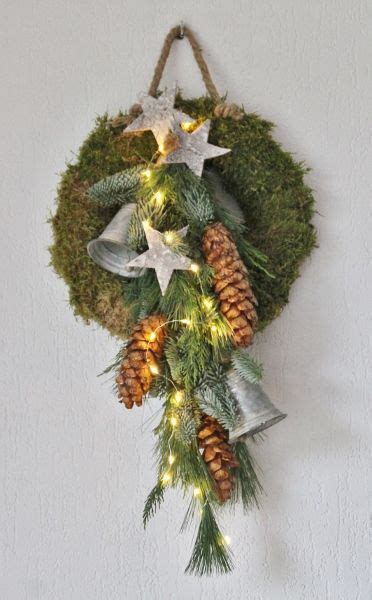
x=266, y=181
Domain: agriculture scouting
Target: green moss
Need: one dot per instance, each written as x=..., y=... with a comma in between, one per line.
x=266, y=181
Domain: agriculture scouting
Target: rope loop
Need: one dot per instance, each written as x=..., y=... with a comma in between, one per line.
x=180, y=32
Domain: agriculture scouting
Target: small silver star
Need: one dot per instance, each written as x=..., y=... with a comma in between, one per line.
x=158, y=116
x=160, y=257
x=194, y=149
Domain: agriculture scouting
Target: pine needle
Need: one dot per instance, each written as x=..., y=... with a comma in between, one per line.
x=247, y=366
x=153, y=501
x=211, y=553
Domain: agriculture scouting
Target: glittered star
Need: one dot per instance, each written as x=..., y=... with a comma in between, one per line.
x=194, y=149
x=158, y=116
x=160, y=257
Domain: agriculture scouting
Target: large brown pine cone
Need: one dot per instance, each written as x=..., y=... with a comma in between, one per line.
x=140, y=360
x=231, y=283
x=218, y=455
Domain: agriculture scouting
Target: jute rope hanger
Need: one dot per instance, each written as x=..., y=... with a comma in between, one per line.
x=222, y=109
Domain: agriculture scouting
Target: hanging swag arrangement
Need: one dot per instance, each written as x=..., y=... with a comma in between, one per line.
x=185, y=262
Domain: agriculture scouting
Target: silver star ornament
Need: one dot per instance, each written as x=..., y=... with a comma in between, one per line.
x=160, y=257
x=194, y=149
x=158, y=116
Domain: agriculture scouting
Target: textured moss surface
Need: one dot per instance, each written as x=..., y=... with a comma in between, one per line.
x=266, y=181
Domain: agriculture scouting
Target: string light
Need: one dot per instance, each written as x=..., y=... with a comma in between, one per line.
x=173, y=421
x=227, y=540
x=178, y=397
x=187, y=126
x=169, y=237
x=213, y=327
x=208, y=303
x=186, y=321
x=159, y=197
x=197, y=492
x=171, y=459
x=152, y=336
x=154, y=369
x=161, y=148
x=194, y=268
x=167, y=477
x=146, y=173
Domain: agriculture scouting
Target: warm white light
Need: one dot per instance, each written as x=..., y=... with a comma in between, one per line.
x=186, y=321
x=169, y=237
x=154, y=369
x=186, y=126
x=173, y=421
x=178, y=397
x=194, y=268
x=152, y=336
x=159, y=197
x=227, y=539
x=171, y=459
x=197, y=492
x=146, y=173
x=166, y=478
x=213, y=327
x=208, y=303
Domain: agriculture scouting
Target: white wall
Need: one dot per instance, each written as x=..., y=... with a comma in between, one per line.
x=75, y=466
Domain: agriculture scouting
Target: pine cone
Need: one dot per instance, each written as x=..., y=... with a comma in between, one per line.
x=218, y=455
x=141, y=355
x=231, y=283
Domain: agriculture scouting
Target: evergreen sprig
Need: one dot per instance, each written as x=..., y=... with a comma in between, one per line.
x=116, y=189
x=247, y=485
x=247, y=366
x=211, y=553
x=153, y=501
x=216, y=399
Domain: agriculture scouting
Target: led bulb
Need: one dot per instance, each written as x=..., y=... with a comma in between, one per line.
x=213, y=327
x=194, y=268
x=159, y=197
x=173, y=421
x=154, y=369
x=171, y=459
x=197, y=492
x=186, y=321
x=227, y=540
x=152, y=336
x=208, y=303
x=146, y=173
x=166, y=478
x=178, y=397
x=186, y=126
x=169, y=237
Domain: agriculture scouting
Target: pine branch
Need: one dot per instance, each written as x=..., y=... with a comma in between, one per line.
x=211, y=553
x=216, y=399
x=144, y=211
x=153, y=501
x=197, y=205
x=247, y=366
x=116, y=189
x=186, y=431
x=247, y=485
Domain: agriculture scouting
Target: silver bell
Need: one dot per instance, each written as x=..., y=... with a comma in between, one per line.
x=110, y=249
x=256, y=412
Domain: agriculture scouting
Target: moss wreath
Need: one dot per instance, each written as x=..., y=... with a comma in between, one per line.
x=266, y=181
